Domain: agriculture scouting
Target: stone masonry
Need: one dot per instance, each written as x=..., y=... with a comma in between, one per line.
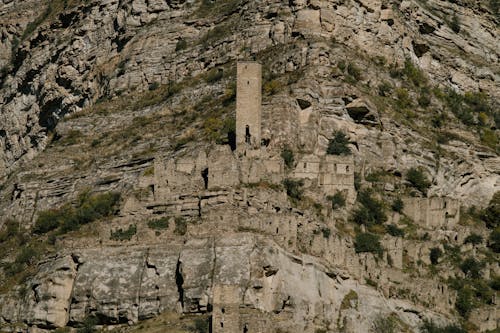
x=248, y=104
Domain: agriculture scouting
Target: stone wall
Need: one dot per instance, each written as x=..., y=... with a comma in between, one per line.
x=436, y=212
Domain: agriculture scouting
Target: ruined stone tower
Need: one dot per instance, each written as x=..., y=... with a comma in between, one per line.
x=248, y=104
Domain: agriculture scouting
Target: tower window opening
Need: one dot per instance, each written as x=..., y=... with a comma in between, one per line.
x=248, y=136
x=204, y=174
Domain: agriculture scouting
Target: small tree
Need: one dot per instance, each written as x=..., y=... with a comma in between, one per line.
x=494, y=240
x=471, y=268
x=435, y=254
x=367, y=242
x=371, y=212
x=418, y=180
x=473, y=239
x=398, y=205
x=339, y=145
x=288, y=157
x=294, y=188
x=491, y=214
x=337, y=200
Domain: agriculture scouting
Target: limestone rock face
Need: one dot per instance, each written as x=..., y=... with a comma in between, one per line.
x=133, y=283
x=132, y=96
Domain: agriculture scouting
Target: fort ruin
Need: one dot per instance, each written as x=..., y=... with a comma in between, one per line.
x=213, y=183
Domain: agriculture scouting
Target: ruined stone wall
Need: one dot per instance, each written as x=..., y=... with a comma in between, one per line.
x=248, y=104
x=337, y=174
x=308, y=167
x=225, y=313
x=437, y=212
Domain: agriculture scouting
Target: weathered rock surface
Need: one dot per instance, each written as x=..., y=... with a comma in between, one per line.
x=127, y=284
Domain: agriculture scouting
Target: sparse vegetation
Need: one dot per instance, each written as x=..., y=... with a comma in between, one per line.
x=214, y=75
x=337, y=200
x=70, y=217
x=397, y=205
x=435, y=254
x=370, y=212
x=353, y=73
x=385, y=324
x=272, y=87
x=431, y=327
x=350, y=300
x=180, y=226
x=294, y=188
x=385, y=89
x=394, y=231
x=491, y=214
x=10, y=230
x=368, y=242
x=339, y=144
x=121, y=234
x=455, y=23
x=288, y=157
x=181, y=45
x=473, y=239
x=494, y=240
x=158, y=224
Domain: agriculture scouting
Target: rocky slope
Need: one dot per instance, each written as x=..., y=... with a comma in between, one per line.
x=108, y=95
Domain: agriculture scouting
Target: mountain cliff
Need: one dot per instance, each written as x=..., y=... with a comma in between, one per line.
x=367, y=204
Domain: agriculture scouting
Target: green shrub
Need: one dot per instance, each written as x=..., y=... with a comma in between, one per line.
x=393, y=230
x=435, y=254
x=88, y=209
x=120, y=234
x=180, y=226
x=339, y=145
x=337, y=200
x=214, y=75
x=288, y=157
x=354, y=71
x=471, y=268
x=51, y=219
x=430, y=327
x=272, y=87
x=326, y=232
x=473, y=239
x=495, y=282
x=418, y=180
x=387, y=324
x=403, y=99
x=11, y=230
x=455, y=23
x=367, y=242
x=465, y=301
x=181, y=45
x=414, y=74
x=424, y=99
x=491, y=214
x=371, y=212
x=88, y=325
x=158, y=224
x=26, y=256
x=294, y=188
x=398, y=205
x=494, y=240
x=341, y=65
x=385, y=89
x=201, y=325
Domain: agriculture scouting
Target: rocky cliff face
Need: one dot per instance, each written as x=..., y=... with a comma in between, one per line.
x=137, y=97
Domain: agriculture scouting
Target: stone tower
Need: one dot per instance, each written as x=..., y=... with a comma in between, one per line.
x=248, y=104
